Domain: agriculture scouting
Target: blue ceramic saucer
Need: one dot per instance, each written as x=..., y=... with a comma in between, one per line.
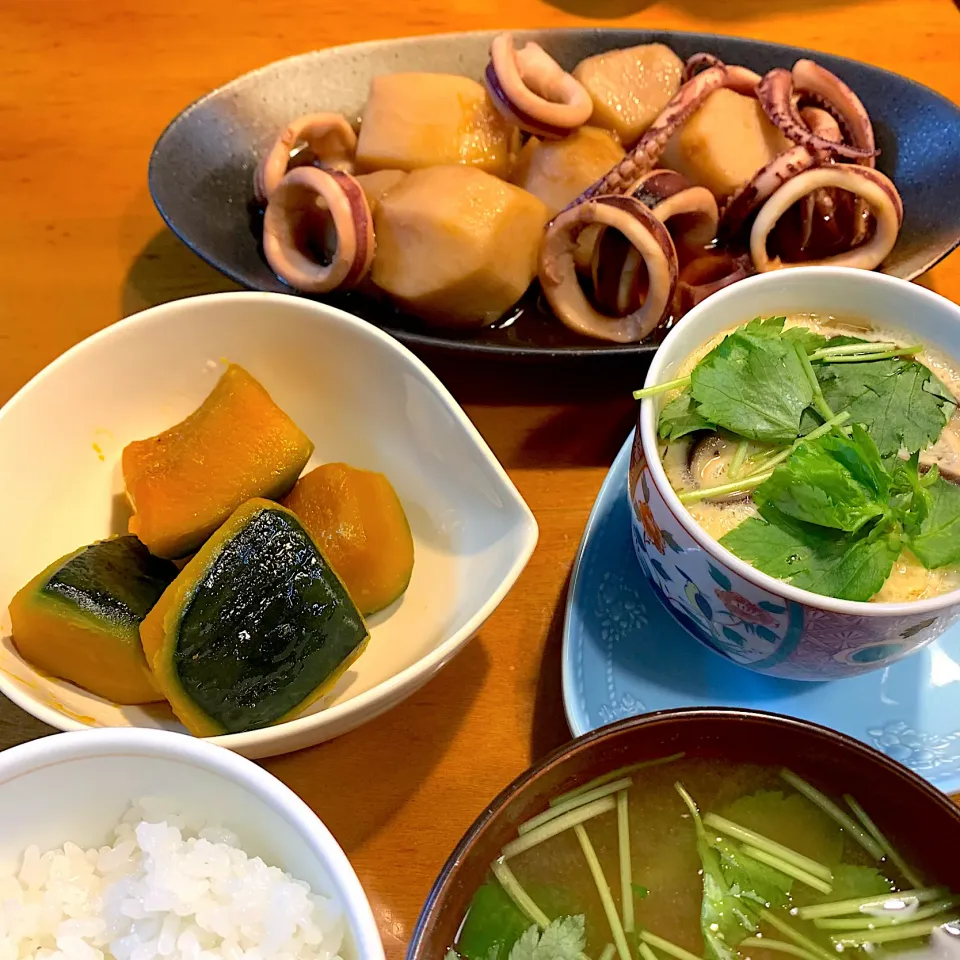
x=624, y=654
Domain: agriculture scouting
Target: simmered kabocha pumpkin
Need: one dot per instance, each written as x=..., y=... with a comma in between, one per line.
x=358, y=520
x=255, y=628
x=184, y=482
x=80, y=618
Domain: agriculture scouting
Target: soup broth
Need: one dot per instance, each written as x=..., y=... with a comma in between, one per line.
x=700, y=459
x=666, y=871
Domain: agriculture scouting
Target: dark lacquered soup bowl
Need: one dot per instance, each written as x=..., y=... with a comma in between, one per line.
x=921, y=822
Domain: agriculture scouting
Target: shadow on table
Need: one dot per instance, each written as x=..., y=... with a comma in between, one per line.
x=386, y=761
x=708, y=10
x=17, y=726
x=165, y=270
x=550, y=729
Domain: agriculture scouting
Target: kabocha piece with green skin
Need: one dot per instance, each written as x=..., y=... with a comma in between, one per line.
x=255, y=628
x=358, y=520
x=80, y=618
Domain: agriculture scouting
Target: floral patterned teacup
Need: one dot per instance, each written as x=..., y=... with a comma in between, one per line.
x=753, y=619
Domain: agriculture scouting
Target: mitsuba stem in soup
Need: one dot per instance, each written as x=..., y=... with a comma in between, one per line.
x=823, y=453
x=687, y=859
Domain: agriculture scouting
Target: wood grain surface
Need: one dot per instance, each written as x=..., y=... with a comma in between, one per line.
x=86, y=86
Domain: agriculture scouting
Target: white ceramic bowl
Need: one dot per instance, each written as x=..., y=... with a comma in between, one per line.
x=77, y=786
x=752, y=618
x=357, y=393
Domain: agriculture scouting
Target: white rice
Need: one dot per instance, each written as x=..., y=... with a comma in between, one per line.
x=167, y=889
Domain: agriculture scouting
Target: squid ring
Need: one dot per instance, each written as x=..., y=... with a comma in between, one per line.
x=327, y=135
x=533, y=91
x=690, y=215
x=876, y=190
x=313, y=209
x=558, y=274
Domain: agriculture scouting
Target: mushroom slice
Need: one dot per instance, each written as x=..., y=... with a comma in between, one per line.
x=876, y=190
x=533, y=91
x=708, y=463
x=561, y=285
x=327, y=136
x=317, y=230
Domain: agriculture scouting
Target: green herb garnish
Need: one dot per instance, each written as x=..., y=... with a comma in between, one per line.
x=834, y=518
x=680, y=416
x=564, y=939
x=938, y=542
x=854, y=881
x=819, y=559
x=735, y=887
x=494, y=923
x=900, y=402
x=753, y=384
x=835, y=482
x=836, y=503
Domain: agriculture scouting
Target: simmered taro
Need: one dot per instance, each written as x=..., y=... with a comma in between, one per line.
x=661, y=183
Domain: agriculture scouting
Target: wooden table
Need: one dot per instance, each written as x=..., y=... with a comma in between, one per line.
x=88, y=85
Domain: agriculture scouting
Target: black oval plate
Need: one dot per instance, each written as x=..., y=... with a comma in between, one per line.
x=201, y=167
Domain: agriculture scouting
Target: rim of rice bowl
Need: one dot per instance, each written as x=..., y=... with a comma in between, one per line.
x=683, y=340
x=362, y=940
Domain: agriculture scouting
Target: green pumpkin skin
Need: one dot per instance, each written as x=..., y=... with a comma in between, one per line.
x=255, y=628
x=80, y=618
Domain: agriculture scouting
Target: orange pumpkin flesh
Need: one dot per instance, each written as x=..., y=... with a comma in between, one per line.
x=186, y=481
x=358, y=520
x=79, y=618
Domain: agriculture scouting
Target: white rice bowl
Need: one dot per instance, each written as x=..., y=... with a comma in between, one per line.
x=164, y=887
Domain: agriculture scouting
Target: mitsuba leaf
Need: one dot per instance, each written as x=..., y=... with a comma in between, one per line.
x=851, y=882
x=680, y=417
x=564, y=939
x=765, y=327
x=492, y=926
x=938, y=542
x=790, y=819
x=910, y=498
x=754, y=385
x=752, y=880
x=819, y=559
x=835, y=482
x=725, y=919
x=860, y=456
x=735, y=888
x=899, y=402
x=808, y=339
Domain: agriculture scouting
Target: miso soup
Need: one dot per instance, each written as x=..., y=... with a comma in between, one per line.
x=689, y=858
